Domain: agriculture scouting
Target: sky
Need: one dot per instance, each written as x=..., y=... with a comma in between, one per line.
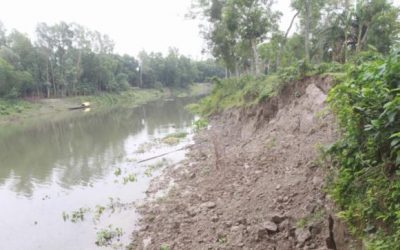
x=134, y=25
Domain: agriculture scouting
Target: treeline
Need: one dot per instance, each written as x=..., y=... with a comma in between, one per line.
x=245, y=35
x=67, y=59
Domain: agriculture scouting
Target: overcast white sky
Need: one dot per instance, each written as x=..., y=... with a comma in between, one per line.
x=152, y=25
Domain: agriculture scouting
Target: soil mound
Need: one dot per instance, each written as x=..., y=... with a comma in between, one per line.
x=252, y=181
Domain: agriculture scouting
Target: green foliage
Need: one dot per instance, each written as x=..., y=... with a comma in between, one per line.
x=117, y=172
x=234, y=92
x=200, y=124
x=367, y=106
x=153, y=167
x=129, y=178
x=174, y=138
x=311, y=219
x=222, y=239
x=164, y=247
x=98, y=212
x=68, y=60
x=105, y=236
x=13, y=106
x=235, y=28
x=332, y=67
x=76, y=216
x=175, y=70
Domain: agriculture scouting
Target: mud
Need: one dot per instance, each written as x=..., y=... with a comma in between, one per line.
x=254, y=180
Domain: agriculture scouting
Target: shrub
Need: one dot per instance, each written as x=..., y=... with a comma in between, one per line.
x=367, y=186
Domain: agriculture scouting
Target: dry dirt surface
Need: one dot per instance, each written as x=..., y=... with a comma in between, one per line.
x=251, y=181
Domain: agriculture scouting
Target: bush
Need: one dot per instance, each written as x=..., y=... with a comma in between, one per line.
x=234, y=92
x=367, y=186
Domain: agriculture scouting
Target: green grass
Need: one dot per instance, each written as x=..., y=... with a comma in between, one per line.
x=247, y=90
x=129, y=97
x=17, y=111
x=236, y=92
x=311, y=219
x=174, y=138
x=13, y=106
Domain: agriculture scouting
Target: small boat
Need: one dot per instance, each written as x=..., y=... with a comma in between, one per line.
x=84, y=105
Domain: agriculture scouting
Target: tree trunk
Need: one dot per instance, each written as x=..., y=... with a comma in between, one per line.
x=237, y=70
x=360, y=37
x=255, y=57
x=307, y=31
x=365, y=36
x=78, y=72
x=282, y=47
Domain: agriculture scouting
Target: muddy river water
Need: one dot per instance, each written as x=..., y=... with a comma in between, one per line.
x=63, y=182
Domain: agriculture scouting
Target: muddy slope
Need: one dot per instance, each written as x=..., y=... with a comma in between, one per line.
x=250, y=182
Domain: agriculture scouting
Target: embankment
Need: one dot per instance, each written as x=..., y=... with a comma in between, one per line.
x=254, y=180
x=19, y=111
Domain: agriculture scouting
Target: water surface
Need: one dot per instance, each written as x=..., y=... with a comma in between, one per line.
x=58, y=167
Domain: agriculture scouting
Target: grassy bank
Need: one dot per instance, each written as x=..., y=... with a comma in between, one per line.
x=10, y=107
x=235, y=92
x=21, y=111
x=248, y=90
x=14, y=111
x=131, y=97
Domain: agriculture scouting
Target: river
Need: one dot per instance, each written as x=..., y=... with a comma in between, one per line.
x=88, y=162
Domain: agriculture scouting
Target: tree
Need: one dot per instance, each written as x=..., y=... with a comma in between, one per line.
x=2, y=35
x=236, y=28
x=68, y=59
x=310, y=14
x=376, y=22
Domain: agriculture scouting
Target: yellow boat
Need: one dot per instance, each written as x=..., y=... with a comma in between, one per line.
x=84, y=105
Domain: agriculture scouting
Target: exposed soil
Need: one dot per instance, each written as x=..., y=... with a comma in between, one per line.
x=252, y=181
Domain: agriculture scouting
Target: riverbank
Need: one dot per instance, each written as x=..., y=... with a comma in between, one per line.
x=253, y=181
x=26, y=111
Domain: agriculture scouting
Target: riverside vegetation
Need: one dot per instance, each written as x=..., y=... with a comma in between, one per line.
x=271, y=76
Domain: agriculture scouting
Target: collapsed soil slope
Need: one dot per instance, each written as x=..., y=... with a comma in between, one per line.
x=252, y=181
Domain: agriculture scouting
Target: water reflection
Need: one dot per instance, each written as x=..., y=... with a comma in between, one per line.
x=81, y=148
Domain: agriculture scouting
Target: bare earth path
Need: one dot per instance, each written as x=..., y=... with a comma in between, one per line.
x=263, y=191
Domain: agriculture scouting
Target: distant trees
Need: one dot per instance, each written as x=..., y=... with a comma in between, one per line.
x=175, y=70
x=68, y=59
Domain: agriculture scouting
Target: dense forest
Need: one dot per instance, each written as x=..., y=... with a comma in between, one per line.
x=67, y=59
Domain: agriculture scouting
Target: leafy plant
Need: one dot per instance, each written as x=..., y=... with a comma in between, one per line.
x=98, y=212
x=235, y=92
x=367, y=186
x=164, y=247
x=75, y=216
x=174, y=138
x=129, y=178
x=222, y=239
x=200, y=124
x=117, y=172
x=105, y=236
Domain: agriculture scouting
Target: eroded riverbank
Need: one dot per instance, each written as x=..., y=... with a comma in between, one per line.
x=254, y=180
